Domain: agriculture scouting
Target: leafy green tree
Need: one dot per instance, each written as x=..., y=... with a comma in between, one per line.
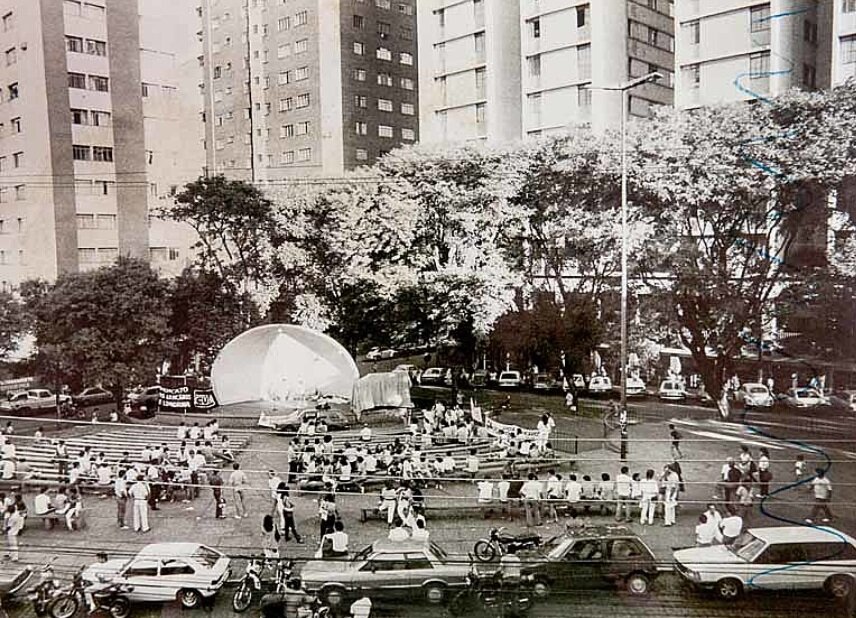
x=108, y=326
x=13, y=323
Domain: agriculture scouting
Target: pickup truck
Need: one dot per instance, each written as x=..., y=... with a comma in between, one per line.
x=32, y=399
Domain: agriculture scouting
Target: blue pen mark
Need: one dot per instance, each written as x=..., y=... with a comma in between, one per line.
x=775, y=216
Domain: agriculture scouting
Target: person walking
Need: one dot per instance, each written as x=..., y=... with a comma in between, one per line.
x=14, y=525
x=648, y=502
x=671, y=483
x=764, y=474
x=623, y=483
x=139, y=494
x=120, y=493
x=287, y=514
x=822, y=488
x=216, y=482
x=238, y=483
x=676, y=442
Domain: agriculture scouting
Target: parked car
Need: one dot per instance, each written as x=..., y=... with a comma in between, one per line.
x=93, y=396
x=480, y=378
x=433, y=375
x=142, y=403
x=636, y=387
x=672, y=390
x=13, y=578
x=373, y=354
x=410, y=370
x=163, y=572
x=787, y=557
x=599, y=385
x=805, y=397
x=578, y=381
x=755, y=395
x=546, y=383
x=291, y=420
x=510, y=379
x=593, y=557
x=390, y=569
x=32, y=399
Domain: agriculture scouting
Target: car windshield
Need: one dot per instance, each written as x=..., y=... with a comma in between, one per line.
x=747, y=546
x=206, y=556
x=439, y=551
x=508, y=375
x=555, y=546
x=363, y=554
x=758, y=390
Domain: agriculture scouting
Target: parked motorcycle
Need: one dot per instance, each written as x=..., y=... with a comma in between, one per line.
x=45, y=590
x=488, y=592
x=251, y=583
x=110, y=599
x=499, y=542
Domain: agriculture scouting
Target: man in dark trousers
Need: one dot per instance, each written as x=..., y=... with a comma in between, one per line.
x=216, y=482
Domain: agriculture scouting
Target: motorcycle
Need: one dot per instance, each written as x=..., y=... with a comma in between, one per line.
x=498, y=543
x=110, y=599
x=489, y=593
x=44, y=592
x=251, y=582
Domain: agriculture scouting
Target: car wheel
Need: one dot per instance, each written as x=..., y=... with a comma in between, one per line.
x=334, y=597
x=189, y=599
x=435, y=593
x=839, y=586
x=729, y=589
x=484, y=551
x=637, y=584
x=541, y=588
x=120, y=608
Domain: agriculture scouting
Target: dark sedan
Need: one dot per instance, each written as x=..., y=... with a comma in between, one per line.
x=591, y=558
x=93, y=396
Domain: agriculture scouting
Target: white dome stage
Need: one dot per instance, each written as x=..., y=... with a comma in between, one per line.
x=282, y=363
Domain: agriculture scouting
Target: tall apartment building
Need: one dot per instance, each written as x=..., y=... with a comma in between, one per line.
x=92, y=132
x=307, y=87
x=844, y=41
x=739, y=50
x=506, y=69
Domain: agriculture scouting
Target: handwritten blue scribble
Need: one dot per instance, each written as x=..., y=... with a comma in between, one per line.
x=776, y=215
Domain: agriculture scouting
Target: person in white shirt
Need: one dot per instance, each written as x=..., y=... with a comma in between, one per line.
x=449, y=464
x=8, y=469
x=273, y=485
x=14, y=525
x=531, y=494
x=623, y=490
x=366, y=434
x=146, y=454
x=731, y=527
x=472, y=464
x=485, y=491
x=648, y=502
x=139, y=494
x=361, y=608
x=554, y=494
x=105, y=475
x=398, y=532
x=338, y=541
x=706, y=531
x=671, y=482
x=420, y=534
x=181, y=432
x=195, y=432
x=822, y=489
x=573, y=494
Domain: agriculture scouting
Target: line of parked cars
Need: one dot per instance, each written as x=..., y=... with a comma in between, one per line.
x=141, y=402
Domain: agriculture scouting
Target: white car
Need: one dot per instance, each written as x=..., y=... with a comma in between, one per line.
x=509, y=379
x=373, y=354
x=32, y=399
x=755, y=395
x=578, y=381
x=433, y=375
x=672, y=390
x=635, y=387
x=163, y=572
x=806, y=397
x=783, y=558
x=599, y=385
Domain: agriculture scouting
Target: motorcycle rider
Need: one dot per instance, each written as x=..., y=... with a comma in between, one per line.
x=100, y=582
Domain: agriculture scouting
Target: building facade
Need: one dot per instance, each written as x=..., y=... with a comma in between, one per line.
x=307, y=87
x=844, y=41
x=500, y=70
x=93, y=133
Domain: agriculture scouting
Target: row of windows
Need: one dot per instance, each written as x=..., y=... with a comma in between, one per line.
x=93, y=118
x=385, y=79
x=103, y=154
x=759, y=68
x=80, y=45
x=362, y=128
x=583, y=18
x=290, y=156
x=384, y=29
x=652, y=36
x=96, y=222
x=94, y=82
x=404, y=8
x=164, y=254
x=87, y=10
x=100, y=255
x=384, y=53
x=666, y=7
x=534, y=65
x=848, y=48
x=18, y=192
x=5, y=258
x=17, y=159
x=384, y=105
x=478, y=14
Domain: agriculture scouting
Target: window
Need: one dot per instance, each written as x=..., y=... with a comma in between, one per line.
x=301, y=46
x=9, y=19
x=13, y=91
x=303, y=100
x=583, y=13
x=77, y=80
x=385, y=131
x=384, y=105
x=384, y=79
x=782, y=553
x=20, y=192
x=359, y=22
x=101, y=84
x=441, y=18
x=284, y=50
x=79, y=116
x=18, y=159
x=383, y=4
x=848, y=48
x=11, y=56
x=284, y=77
x=286, y=104
x=94, y=11
x=478, y=45
x=286, y=131
x=74, y=44
x=304, y=154
x=408, y=135
x=693, y=32
x=759, y=18
x=360, y=75
x=535, y=108
x=176, y=568
x=584, y=61
x=81, y=153
x=382, y=53
x=359, y=48
x=535, y=26
x=361, y=154
x=407, y=83
x=102, y=153
x=405, y=9
x=145, y=88
x=810, y=32
x=809, y=76
x=301, y=18
x=848, y=7
x=405, y=58
x=283, y=24
x=406, y=33
x=15, y=123
x=361, y=101
x=361, y=128
x=583, y=97
x=96, y=48
x=301, y=73
x=481, y=110
x=478, y=13
x=583, y=551
x=408, y=109
x=692, y=76
x=534, y=63
x=303, y=128
x=383, y=29
x=759, y=65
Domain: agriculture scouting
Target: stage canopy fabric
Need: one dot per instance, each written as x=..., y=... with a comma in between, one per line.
x=282, y=363
x=382, y=390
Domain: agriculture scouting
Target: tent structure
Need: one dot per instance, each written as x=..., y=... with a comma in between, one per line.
x=382, y=390
x=282, y=363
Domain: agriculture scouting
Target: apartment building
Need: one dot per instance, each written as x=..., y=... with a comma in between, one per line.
x=307, y=87
x=844, y=41
x=740, y=50
x=504, y=69
x=91, y=133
